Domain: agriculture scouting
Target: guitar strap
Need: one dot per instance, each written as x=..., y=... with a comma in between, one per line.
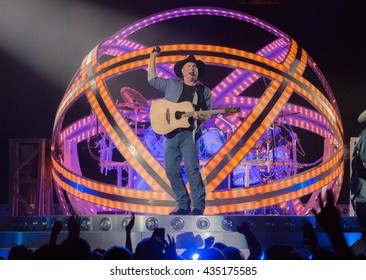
x=195, y=123
x=195, y=99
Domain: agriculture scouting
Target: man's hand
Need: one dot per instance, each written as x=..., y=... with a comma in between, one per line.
x=131, y=223
x=201, y=117
x=56, y=229
x=74, y=226
x=170, y=248
x=155, y=52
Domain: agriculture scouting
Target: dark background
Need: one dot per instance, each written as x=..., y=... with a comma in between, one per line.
x=42, y=44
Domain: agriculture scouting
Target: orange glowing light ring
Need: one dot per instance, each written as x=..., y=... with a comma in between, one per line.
x=125, y=140
x=313, y=95
x=313, y=174
x=129, y=205
x=249, y=198
x=69, y=178
x=86, y=194
x=246, y=66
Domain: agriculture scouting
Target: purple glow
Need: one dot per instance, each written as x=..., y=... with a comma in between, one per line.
x=202, y=11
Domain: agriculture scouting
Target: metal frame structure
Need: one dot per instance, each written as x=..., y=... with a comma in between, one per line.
x=30, y=179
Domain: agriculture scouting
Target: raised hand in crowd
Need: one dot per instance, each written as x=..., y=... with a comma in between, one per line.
x=329, y=218
x=55, y=231
x=74, y=227
x=170, y=248
x=129, y=228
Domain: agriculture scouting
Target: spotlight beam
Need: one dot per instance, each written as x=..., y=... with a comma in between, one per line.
x=47, y=44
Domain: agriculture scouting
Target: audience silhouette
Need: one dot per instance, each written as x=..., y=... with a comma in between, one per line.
x=20, y=252
x=118, y=253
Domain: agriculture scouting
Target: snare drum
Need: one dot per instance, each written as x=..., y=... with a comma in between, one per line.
x=211, y=142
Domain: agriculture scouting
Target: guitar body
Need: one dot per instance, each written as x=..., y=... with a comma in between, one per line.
x=163, y=115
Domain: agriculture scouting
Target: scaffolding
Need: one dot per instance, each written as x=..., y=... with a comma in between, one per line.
x=30, y=178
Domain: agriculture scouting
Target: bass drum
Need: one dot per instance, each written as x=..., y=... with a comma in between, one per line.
x=281, y=154
x=154, y=143
x=211, y=141
x=239, y=176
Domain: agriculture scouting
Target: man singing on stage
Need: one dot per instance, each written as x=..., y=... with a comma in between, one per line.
x=183, y=142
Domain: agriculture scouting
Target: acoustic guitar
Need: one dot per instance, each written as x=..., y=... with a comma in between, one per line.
x=165, y=116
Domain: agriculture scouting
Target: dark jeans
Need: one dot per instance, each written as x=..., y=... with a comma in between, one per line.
x=176, y=148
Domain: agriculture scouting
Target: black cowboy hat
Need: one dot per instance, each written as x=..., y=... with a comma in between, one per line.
x=362, y=117
x=179, y=65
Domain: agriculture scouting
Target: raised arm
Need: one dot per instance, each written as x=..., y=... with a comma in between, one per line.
x=329, y=217
x=129, y=228
x=151, y=71
x=56, y=229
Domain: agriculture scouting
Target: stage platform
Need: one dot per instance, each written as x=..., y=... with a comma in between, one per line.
x=106, y=230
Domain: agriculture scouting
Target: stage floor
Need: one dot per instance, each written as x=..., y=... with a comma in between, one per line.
x=104, y=231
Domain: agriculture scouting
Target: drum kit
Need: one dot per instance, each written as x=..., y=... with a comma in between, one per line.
x=135, y=109
x=270, y=159
x=211, y=141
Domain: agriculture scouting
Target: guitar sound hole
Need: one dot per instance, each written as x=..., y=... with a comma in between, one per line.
x=178, y=115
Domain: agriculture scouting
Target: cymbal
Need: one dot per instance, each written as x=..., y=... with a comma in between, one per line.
x=132, y=107
x=134, y=112
x=283, y=115
x=133, y=96
x=124, y=106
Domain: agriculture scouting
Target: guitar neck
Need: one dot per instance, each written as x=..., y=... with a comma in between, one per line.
x=207, y=112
